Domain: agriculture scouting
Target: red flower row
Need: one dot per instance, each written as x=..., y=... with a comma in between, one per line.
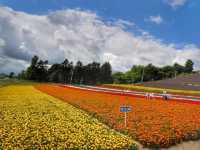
x=154, y=123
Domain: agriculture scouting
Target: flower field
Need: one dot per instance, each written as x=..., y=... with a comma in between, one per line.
x=30, y=119
x=154, y=123
x=152, y=89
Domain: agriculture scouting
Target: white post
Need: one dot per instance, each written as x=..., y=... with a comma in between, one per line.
x=175, y=74
x=125, y=116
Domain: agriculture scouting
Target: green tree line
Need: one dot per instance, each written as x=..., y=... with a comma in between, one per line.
x=66, y=72
x=94, y=73
x=139, y=73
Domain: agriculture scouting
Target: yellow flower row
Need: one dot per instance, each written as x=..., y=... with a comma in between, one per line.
x=30, y=119
x=153, y=89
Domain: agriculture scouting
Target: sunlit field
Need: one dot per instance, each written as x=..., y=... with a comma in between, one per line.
x=152, y=89
x=99, y=75
x=154, y=123
x=30, y=119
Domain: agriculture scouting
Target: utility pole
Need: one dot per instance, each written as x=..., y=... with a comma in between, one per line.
x=175, y=74
x=142, y=78
x=125, y=119
x=72, y=73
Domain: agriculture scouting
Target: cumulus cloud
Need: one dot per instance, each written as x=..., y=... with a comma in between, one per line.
x=155, y=19
x=81, y=35
x=175, y=3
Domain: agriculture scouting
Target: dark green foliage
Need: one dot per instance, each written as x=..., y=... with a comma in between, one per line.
x=119, y=77
x=189, y=66
x=22, y=75
x=94, y=73
x=168, y=72
x=106, y=73
x=179, y=68
x=78, y=73
x=11, y=75
x=37, y=71
x=55, y=73
x=91, y=73
x=65, y=72
x=136, y=73
x=150, y=72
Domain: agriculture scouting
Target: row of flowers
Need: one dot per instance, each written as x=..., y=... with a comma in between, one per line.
x=154, y=123
x=152, y=89
x=30, y=119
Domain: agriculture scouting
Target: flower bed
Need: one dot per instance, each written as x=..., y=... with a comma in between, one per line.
x=154, y=123
x=152, y=89
x=30, y=119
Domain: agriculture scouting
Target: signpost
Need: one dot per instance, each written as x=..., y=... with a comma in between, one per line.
x=125, y=110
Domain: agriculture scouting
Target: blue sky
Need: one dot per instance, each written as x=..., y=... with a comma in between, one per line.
x=123, y=32
x=180, y=25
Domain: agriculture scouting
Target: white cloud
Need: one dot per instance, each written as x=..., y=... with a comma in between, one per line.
x=175, y=3
x=8, y=65
x=80, y=35
x=124, y=23
x=155, y=19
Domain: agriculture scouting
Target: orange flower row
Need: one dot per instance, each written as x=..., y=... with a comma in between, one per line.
x=154, y=123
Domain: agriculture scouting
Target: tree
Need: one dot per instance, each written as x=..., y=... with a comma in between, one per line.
x=95, y=73
x=22, y=75
x=135, y=74
x=91, y=73
x=67, y=68
x=32, y=69
x=189, y=66
x=11, y=75
x=106, y=73
x=37, y=70
x=78, y=72
x=179, y=68
x=41, y=71
x=151, y=73
x=55, y=73
x=168, y=71
x=119, y=77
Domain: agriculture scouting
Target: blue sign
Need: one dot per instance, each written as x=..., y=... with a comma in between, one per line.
x=125, y=109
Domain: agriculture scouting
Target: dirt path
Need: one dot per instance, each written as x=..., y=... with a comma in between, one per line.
x=191, y=145
x=181, y=98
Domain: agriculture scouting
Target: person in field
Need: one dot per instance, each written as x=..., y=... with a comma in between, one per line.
x=151, y=96
x=147, y=96
x=165, y=95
